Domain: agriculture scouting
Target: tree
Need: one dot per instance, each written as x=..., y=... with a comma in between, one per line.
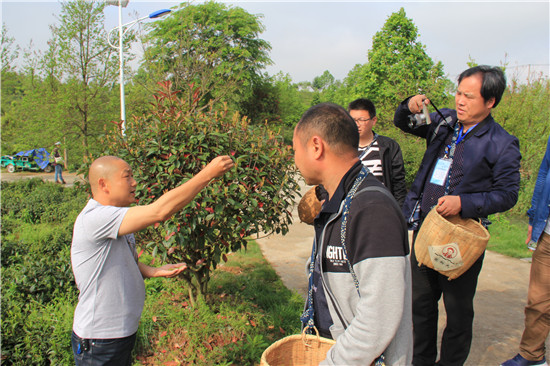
x=9, y=53
x=170, y=144
x=398, y=66
x=81, y=49
x=322, y=82
x=294, y=99
x=11, y=82
x=211, y=45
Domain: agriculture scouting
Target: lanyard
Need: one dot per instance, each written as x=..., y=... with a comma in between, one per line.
x=307, y=316
x=458, y=136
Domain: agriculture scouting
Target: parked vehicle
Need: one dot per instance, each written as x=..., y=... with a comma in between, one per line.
x=35, y=159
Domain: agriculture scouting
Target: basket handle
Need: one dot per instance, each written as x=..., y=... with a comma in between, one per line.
x=304, y=332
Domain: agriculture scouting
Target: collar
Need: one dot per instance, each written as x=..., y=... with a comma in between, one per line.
x=479, y=128
x=374, y=138
x=333, y=205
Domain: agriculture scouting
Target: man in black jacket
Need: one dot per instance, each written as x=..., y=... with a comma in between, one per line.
x=381, y=154
x=359, y=290
x=470, y=168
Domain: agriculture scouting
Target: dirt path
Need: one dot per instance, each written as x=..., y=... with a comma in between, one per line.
x=499, y=302
x=69, y=178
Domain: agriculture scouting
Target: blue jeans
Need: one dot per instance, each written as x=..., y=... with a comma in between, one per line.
x=58, y=170
x=99, y=352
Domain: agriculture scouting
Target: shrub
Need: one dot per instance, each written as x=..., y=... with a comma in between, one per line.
x=38, y=290
x=171, y=144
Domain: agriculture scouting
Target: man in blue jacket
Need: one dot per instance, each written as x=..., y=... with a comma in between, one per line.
x=532, y=347
x=470, y=167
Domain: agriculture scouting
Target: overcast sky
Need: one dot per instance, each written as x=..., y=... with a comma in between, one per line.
x=310, y=37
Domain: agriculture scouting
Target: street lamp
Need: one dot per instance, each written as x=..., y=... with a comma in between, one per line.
x=122, y=30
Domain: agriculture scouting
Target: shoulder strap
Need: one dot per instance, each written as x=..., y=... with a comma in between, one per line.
x=344, y=226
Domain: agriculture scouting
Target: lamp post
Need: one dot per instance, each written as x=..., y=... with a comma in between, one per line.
x=122, y=30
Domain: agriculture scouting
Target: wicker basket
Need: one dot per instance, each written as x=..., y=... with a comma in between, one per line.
x=297, y=350
x=309, y=206
x=450, y=245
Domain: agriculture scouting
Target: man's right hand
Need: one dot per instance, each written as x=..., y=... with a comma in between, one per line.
x=139, y=217
x=218, y=166
x=416, y=103
x=529, y=234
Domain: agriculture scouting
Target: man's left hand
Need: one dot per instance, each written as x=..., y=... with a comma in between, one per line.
x=449, y=205
x=170, y=270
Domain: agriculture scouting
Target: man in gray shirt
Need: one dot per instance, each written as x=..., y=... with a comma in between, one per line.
x=104, y=258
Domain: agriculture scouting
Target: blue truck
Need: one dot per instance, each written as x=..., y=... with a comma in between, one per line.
x=35, y=159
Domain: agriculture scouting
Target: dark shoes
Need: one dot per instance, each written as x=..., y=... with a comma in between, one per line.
x=520, y=361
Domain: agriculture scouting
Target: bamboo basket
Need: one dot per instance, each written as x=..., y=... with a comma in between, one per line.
x=309, y=206
x=450, y=245
x=297, y=350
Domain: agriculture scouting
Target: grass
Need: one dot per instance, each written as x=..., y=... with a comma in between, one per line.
x=247, y=309
x=508, y=236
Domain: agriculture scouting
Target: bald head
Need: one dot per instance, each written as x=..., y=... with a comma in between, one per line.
x=103, y=167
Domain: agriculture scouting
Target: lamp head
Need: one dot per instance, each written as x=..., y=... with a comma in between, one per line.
x=159, y=13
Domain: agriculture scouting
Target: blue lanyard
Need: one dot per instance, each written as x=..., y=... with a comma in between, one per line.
x=458, y=136
x=307, y=316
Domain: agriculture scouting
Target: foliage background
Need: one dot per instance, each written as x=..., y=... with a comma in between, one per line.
x=39, y=105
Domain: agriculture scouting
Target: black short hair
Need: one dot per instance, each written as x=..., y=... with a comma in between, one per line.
x=493, y=81
x=363, y=104
x=333, y=123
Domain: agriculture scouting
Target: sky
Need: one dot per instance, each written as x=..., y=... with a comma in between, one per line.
x=310, y=37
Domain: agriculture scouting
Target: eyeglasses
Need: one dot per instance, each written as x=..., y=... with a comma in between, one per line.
x=361, y=120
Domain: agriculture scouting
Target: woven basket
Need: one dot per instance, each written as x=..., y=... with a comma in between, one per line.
x=297, y=350
x=450, y=245
x=309, y=206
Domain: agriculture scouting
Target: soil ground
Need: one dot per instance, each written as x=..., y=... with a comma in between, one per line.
x=69, y=178
x=499, y=302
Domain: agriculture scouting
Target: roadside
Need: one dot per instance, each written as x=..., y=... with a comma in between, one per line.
x=70, y=178
x=499, y=301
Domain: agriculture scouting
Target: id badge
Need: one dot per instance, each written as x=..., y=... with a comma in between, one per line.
x=441, y=171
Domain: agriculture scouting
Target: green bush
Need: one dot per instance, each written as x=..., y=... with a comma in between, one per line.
x=38, y=289
x=524, y=111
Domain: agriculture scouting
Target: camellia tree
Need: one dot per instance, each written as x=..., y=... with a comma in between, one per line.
x=169, y=145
